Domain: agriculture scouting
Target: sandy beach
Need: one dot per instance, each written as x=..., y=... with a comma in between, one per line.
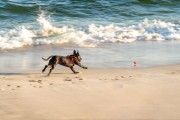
x=93, y=94
x=111, y=36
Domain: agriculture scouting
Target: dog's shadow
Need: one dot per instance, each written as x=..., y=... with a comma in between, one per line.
x=26, y=74
x=9, y=74
x=60, y=73
x=45, y=75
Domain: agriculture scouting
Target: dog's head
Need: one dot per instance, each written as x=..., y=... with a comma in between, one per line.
x=77, y=55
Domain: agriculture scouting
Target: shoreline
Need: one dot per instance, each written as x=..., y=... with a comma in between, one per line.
x=93, y=94
x=109, y=55
x=61, y=69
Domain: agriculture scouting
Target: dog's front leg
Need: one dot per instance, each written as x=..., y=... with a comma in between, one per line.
x=73, y=70
x=79, y=64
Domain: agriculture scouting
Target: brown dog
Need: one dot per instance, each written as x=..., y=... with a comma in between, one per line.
x=68, y=61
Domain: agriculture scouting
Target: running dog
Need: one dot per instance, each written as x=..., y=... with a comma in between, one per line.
x=68, y=61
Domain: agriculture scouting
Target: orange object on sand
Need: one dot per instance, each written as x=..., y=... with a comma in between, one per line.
x=135, y=63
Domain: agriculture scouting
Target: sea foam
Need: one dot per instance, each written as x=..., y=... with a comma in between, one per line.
x=146, y=30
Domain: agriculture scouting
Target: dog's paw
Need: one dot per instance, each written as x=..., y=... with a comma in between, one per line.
x=43, y=70
x=85, y=68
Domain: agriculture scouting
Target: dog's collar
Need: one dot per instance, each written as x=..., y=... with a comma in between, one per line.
x=72, y=57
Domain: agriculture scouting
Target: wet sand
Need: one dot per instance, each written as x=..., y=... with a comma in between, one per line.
x=93, y=94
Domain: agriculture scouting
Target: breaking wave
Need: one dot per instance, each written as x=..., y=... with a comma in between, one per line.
x=91, y=36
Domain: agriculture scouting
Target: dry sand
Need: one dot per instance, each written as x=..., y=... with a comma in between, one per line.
x=93, y=94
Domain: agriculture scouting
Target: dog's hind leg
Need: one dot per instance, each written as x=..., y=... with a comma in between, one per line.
x=44, y=68
x=73, y=70
x=52, y=67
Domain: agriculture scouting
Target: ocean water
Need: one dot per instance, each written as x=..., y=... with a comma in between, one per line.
x=108, y=33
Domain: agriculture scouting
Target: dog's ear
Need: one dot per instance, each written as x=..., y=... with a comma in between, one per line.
x=77, y=52
x=74, y=53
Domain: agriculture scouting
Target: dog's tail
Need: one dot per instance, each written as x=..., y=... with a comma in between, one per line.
x=47, y=58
